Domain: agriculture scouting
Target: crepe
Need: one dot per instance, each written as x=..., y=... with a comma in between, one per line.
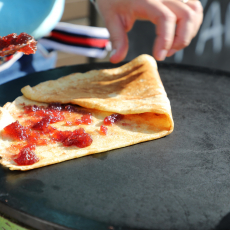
x=134, y=90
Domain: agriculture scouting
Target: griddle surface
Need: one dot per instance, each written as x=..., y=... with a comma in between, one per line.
x=177, y=182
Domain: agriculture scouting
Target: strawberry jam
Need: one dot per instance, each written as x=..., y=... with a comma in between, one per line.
x=42, y=125
x=86, y=119
x=110, y=120
x=27, y=156
x=36, y=129
x=16, y=131
x=56, y=106
x=71, y=109
x=78, y=121
x=60, y=136
x=29, y=48
x=54, y=109
x=103, y=130
x=23, y=43
x=68, y=123
x=77, y=138
x=32, y=108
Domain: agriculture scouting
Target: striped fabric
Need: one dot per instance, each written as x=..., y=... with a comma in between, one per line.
x=83, y=40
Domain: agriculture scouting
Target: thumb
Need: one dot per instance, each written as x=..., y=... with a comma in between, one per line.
x=118, y=38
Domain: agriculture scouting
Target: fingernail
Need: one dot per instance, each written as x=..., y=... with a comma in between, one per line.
x=162, y=54
x=112, y=52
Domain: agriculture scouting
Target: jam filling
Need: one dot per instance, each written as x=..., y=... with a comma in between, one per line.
x=43, y=124
x=23, y=43
x=103, y=130
x=78, y=138
x=16, y=131
x=110, y=120
x=85, y=120
x=36, y=129
x=26, y=156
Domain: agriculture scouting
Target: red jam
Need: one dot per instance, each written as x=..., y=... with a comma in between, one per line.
x=13, y=43
x=16, y=131
x=103, y=130
x=35, y=138
x=32, y=108
x=30, y=48
x=77, y=138
x=55, y=109
x=42, y=125
x=71, y=109
x=110, y=120
x=36, y=127
x=86, y=119
x=27, y=156
x=60, y=136
x=68, y=123
x=15, y=148
x=78, y=121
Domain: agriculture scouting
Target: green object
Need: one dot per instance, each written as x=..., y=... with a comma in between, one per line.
x=6, y=224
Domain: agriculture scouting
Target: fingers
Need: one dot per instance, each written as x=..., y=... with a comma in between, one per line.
x=111, y=12
x=165, y=22
x=176, y=23
x=189, y=18
x=185, y=26
x=118, y=38
x=198, y=9
x=165, y=31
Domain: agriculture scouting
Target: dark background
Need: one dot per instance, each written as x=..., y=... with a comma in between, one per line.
x=210, y=48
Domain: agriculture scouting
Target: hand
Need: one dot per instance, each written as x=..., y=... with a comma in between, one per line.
x=176, y=23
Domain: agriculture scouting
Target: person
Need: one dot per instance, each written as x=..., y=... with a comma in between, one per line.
x=177, y=23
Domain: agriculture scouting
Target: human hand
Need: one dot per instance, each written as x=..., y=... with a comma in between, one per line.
x=176, y=23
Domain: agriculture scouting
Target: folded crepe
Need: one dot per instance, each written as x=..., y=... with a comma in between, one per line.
x=134, y=90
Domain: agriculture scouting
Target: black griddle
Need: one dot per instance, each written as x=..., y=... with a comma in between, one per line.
x=174, y=183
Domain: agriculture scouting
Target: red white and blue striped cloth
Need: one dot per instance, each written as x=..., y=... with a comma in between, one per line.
x=83, y=40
